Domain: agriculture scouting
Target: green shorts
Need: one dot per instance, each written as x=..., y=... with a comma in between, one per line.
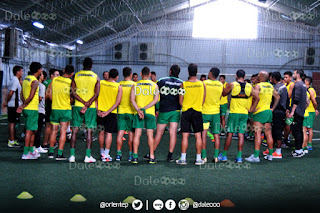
x=263, y=117
x=312, y=115
x=58, y=116
x=31, y=119
x=237, y=123
x=125, y=122
x=213, y=121
x=306, y=122
x=149, y=121
x=89, y=118
x=168, y=117
x=223, y=109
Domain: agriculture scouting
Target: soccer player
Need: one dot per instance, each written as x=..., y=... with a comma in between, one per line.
x=85, y=89
x=42, y=112
x=143, y=97
x=125, y=114
x=105, y=75
x=169, y=108
x=135, y=77
x=59, y=94
x=211, y=112
x=306, y=124
x=29, y=108
x=108, y=100
x=154, y=76
x=48, y=108
x=203, y=77
x=279, y=114
x=262, y=115
x=13, y=101
x=311, y=109
x=238, y=116
x=299, y=97
x=223, y=105
x=289, y=84
x=191, y=102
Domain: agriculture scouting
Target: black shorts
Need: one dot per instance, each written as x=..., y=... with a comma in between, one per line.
x=278, y=124
x=108, y=124
x=48, y=109
x=191, y=118
x=13, y=116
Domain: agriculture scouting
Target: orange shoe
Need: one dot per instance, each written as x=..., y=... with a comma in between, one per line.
x=266, y=152
x=123, y=138
x=276, y=155
x=125, y=132
x=213, y=140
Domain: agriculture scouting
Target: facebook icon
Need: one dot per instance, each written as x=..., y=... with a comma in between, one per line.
x=170, y=204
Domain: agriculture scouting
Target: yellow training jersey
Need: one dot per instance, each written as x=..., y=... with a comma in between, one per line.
x=306, y=112
x=212, y=102
x=265, y=95
x=61, y=93
x=288, y=88
x=311, y=107
x=224, y=99
x=126, y=105
x=26, y=89
x=193, y=97
x=108, y=95
x=85, y=83
x=239, y=97
x=145, y=91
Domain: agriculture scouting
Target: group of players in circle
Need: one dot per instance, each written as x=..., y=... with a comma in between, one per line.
x=267, y=105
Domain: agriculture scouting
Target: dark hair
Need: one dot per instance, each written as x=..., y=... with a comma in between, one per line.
x=104, y=73
x=175, y=70
x=51, y=72
x=301, y=73
x=254, y=75
x=29, y=73
x=203, y=76
x=270, y=74
x=145, y=71
x=215, y=72
x=113, y=73
x=44, y=74
x=223, y=76
x=247, y=80
x=60, y=72
x=153, y=73
x=276, y=75
x=87, y=63
x=69, y=69
x=241, y=73
x=126, y=71
x=16, y=69
x=193, y=69
x=34, y=67
x=309, y=79
x=134, y=74
x=288, y=73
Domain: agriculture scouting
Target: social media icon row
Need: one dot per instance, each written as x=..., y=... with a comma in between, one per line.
x=158, y=204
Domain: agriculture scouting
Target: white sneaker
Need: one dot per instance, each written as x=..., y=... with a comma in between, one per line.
x=305, y=151
x=41, y=150
x=72, y=159
x=268, y=157
x=253, y=159
x=89, y=159
x=108, y=158
x=35, y=153
x=28, y=156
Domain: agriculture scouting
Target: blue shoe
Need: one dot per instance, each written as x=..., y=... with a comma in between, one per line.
x=118, y=157
x=181, y=162
x=130, y=158
x=309, y=148
x=239, y=160
x=222, y=158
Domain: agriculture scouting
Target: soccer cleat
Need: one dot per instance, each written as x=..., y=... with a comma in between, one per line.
x=222, y=158
x=235, y=136
x=222, y=134
x=134, y=160
x=251, y=158
x=170, y=159
x=35, y=153
x=68, y=135
x=238, y=160
x=123, y=138
x=61, y=157
x=130, y=158
x=118, y=157
x=125, y=132
x=181, y=162
x=309, y=148
x=28, y=156
x=14, y=144
x=50, y=155
x=213, y=140
x=72, y=159
x=199, y=162
x=215, y=160
x=264, y=143
x=266, y=152
x=268, y=157
x=108, y=158
x=251, y=138
x=41, y=150
x=152, y=161
x=305, y=151
x=46, y=147
x=297, y=155
x=204, y=159
x=276, y=155
x=22, y=135
x=89, y=159
x=146, y=157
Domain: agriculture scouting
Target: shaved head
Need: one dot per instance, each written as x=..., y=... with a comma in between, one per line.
x=263, y=76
